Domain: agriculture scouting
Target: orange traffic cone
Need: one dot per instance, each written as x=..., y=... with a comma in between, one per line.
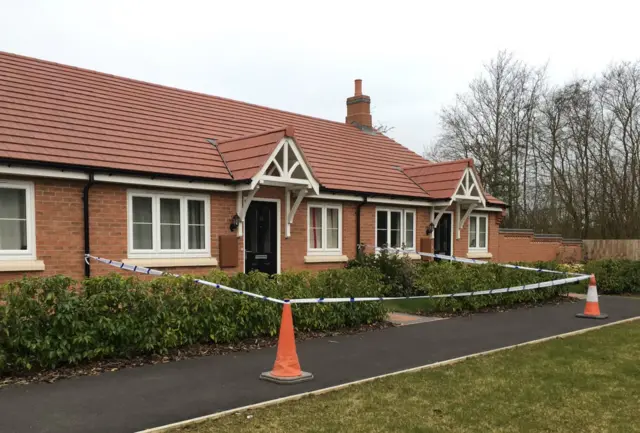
x=592, y=308
x=287, y=367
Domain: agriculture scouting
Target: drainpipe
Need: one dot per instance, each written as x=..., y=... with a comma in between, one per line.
x=362, y=203
x=87, y=242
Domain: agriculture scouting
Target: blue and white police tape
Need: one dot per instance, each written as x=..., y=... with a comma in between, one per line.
x=480, y=262
x=532, y=286
x=149, y=271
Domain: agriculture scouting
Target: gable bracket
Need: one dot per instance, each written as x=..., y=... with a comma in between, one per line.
x=463, y=219
x=291, y=210
x=242, y=206
x=436, y=214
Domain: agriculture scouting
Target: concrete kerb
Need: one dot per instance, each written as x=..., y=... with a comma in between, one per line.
x=294, y=397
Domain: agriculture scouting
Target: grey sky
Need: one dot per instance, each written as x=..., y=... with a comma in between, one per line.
x=303, y=56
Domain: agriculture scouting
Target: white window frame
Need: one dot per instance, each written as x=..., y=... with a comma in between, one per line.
x=30, y=252
x=403, y=220
x=156, y=251
x=324, y=250
x=486, y=235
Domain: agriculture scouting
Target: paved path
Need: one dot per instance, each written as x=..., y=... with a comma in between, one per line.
x=138, y=398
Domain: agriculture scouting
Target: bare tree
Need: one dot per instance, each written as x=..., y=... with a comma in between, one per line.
x=566, y=159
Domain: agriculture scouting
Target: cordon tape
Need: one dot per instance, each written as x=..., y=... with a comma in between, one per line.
x=574, y=278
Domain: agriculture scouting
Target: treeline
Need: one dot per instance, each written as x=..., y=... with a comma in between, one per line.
x=565, y=158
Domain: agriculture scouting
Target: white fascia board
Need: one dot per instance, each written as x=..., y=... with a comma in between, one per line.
x=42, y=172
x=163, y=183
x=400, y=202
x=488, y=209
x=340, y=197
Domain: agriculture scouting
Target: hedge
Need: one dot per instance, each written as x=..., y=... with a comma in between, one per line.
x=435, y=278
x=407, y=278
x=615, y=276
x=48, y=322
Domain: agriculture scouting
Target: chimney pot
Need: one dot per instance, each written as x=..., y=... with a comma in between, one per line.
x=359, y=109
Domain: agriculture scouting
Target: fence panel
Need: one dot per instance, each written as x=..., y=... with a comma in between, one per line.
x=595, y=249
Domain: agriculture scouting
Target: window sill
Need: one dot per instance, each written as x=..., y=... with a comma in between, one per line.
x=479, y=255
x=326, y=259
x=172, y=263
x=21, y=265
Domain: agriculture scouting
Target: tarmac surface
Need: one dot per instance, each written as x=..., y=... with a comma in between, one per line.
x=134, y=399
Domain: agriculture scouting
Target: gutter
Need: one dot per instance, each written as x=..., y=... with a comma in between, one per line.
x=87, y=240
x=362, y=203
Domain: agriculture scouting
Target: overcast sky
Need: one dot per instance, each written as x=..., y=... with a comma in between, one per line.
x=303, y=56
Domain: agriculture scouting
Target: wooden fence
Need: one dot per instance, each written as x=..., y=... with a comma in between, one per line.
x=594, y=249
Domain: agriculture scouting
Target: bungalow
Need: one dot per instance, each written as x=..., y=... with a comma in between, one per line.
x=172, y=179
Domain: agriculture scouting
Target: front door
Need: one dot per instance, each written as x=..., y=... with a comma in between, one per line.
x=442, y=239
x=261, y=240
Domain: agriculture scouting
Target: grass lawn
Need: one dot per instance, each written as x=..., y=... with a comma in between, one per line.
x=586, y=383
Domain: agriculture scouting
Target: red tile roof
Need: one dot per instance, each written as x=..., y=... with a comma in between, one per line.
x=246, y=155
x=439, y=179
x=65, y=115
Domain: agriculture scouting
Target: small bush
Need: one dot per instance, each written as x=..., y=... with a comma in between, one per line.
x=398, y=270
x=48, y=322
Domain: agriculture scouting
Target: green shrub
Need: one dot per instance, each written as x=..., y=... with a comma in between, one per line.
x=615, y=276
x=399, y=271
x=436, y=278
x=47, y=322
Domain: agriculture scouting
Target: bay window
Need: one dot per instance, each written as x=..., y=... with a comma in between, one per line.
x=478, y=233
x=17, y=221
x=395, y=228
x=324, y=229
x=166, y=225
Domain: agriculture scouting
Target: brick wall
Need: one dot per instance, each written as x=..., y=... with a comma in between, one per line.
x=60, y=231
x=525, y=246
x=59, y=228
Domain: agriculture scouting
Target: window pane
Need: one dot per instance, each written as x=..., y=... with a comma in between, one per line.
x=13, y=235
x=13, y=219
x=381, y=234
x=332, y=228
x=169, y=211
x=196, y=238
x=382, y=220
x=170, y=224
x=142, y=236
x=315, y=228
x=170, y=236
x=196, y=229
x=196, y=211
x=408, y=236
x=472, y=233
x=395, y=241
x=142, y=210
x=13, y=203
x=482, y=236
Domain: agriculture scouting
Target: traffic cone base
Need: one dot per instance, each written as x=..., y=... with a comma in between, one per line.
x=286, y=369
x=592, y=307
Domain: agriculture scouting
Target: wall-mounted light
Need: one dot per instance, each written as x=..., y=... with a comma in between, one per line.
x=235, y=222
x=430, y=228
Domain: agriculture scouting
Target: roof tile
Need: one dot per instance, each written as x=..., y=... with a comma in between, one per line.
x=67, y=115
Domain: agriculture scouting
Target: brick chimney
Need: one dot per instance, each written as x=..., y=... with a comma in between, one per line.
x=358, y=109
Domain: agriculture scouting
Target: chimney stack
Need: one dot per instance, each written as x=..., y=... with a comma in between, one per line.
x=359, y=109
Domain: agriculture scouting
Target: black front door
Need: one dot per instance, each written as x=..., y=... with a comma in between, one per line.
x=261, y=240
x=442, y=240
